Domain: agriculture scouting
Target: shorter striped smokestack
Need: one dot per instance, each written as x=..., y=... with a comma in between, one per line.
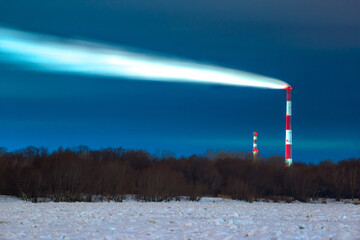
x=255, y=150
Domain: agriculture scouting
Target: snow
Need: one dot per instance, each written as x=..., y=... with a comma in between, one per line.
x=207, y=219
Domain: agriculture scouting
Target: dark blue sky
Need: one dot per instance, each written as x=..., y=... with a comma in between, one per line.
x=312, y=46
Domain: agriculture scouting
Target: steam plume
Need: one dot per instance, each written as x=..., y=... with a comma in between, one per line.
x=51, y=54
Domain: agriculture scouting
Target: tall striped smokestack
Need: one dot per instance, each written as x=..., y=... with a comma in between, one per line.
x=288, y=139
x=255, y=150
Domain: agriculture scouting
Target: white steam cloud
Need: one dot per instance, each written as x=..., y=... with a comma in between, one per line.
x=51, y=54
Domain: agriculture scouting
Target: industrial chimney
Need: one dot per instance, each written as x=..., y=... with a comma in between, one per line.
x=288, y=138
x=255, y=150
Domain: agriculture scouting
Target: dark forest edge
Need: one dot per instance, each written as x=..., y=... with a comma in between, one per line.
x=80, y=174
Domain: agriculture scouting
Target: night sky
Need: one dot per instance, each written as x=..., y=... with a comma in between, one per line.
x=312, y=45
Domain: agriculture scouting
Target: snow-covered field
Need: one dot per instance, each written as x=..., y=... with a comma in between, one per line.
x=207, y=219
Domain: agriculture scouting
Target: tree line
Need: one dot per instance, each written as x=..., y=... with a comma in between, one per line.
x=80, y=174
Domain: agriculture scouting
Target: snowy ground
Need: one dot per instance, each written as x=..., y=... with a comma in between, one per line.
x=208, y=219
